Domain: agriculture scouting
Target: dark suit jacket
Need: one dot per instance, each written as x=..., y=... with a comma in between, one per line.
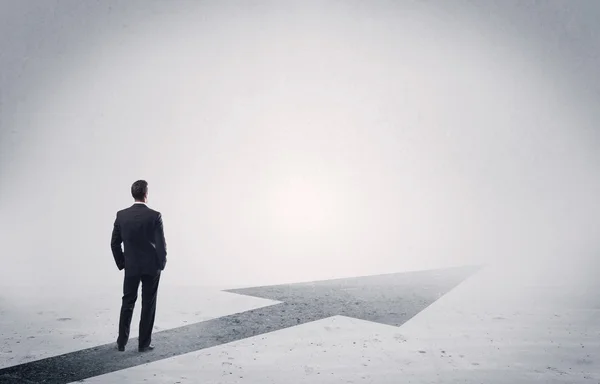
x=140, y=230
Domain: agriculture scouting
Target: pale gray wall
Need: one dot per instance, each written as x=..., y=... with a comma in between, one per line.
x=288, y=141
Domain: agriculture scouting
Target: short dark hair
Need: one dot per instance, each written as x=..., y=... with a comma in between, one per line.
x=139, y=190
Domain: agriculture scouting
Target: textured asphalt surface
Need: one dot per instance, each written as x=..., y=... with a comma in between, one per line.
x=390, y=299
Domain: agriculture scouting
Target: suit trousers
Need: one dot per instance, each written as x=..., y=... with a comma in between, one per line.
x=130, y=293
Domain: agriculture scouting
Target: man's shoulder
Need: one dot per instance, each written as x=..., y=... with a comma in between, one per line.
x=154, y=212
x=125, y=211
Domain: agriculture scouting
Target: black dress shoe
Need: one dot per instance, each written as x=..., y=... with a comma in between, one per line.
x=146, y=349
x=121, y=348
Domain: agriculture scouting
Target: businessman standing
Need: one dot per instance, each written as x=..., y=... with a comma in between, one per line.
x=140, y=230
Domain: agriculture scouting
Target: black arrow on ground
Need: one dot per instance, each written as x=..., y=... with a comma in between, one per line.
x=390, y=299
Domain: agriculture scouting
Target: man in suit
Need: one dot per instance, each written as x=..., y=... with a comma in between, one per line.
x=140, y=230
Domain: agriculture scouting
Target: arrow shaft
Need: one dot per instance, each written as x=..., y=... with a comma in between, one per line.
x=87, y=363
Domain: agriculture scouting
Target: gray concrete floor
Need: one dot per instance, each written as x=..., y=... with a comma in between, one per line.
x=501, y=325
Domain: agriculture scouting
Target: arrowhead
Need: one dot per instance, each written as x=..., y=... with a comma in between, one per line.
x=390, y=299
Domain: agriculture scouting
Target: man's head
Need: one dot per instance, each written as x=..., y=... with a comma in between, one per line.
x=139, y=191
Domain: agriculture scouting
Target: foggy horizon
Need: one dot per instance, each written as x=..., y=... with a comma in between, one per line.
x=300, y=141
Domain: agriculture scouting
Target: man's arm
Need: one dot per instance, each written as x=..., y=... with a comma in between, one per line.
x=159, y=242
x=115, y=246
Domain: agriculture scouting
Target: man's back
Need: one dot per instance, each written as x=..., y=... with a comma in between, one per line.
x=140, y=229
